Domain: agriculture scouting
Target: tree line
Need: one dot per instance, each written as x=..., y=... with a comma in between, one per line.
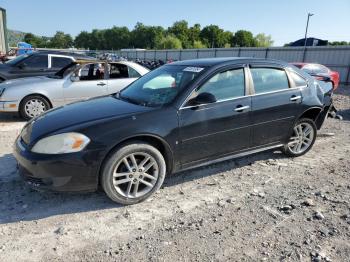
x=178, y=36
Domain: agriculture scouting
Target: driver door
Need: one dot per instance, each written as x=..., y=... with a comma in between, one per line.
x=209, y=131
x=87, y=82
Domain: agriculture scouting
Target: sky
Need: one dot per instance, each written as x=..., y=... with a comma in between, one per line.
x=284, y=20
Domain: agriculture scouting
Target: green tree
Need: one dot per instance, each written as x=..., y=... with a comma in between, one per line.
x=339, y=43
x=198, y=44
x=83, y=40
x=117, y=38
x=243, y=38
x=61, y=40
x=169, y=42
x=263, y=40
x=181, y=31
x=34, y=40
x=146, y=36
x=194, y=33
x=213, y=36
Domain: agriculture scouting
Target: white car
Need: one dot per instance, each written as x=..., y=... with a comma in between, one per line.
x=80, y=80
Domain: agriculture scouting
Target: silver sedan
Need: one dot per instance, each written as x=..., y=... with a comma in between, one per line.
x=81, y=80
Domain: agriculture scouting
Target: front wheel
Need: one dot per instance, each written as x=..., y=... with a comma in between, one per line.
x=133, y=173
x=302, y=139
x=32, y=106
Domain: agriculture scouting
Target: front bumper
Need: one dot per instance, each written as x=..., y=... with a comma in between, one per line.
x=9, y=106
x=66, y=172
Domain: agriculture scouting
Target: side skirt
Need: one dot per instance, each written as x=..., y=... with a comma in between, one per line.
x=221, y=159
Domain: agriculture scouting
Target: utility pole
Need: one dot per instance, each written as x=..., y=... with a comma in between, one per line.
x=307, y=26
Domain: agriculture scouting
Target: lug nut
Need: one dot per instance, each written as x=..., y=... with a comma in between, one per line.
x=130, y=176
x=134, y=170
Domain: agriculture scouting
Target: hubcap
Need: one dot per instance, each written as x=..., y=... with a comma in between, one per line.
x=34, y=107
x=135, y=175
x=302, y=138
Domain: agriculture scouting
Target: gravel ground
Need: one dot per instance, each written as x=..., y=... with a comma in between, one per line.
x=264, y=207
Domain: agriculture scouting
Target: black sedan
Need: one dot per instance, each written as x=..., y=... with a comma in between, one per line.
x=179, y=116
x=37, y=64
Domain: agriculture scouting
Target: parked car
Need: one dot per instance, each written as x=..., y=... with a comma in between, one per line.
x=37, y=64
x=212, y=110
x=320, y=72
x=79, y=80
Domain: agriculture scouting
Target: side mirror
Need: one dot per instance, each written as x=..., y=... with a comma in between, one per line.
x=74, y=78
x=203, y=98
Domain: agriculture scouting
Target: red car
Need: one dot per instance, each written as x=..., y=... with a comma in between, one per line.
x=320, y=72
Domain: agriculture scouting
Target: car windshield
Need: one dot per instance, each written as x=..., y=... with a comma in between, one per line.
x=161, y=86
x=17, y=59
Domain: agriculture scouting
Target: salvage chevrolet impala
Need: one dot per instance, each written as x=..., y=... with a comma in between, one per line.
x=179, y=116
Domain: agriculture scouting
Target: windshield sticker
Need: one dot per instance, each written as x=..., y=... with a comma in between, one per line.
x=193, y=69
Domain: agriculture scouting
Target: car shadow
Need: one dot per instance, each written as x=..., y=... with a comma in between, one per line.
x=18, y=202
x=10, y=117
x=345, y=114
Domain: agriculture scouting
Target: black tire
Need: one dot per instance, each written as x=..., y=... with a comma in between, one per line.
x=22, y=110
x=286, y=148
x=107, y=179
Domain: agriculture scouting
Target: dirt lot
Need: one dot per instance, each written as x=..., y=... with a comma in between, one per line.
x=265, y=207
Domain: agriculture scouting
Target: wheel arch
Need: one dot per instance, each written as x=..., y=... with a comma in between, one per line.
x=154, y=140
x=316, y=114
x=35, y=94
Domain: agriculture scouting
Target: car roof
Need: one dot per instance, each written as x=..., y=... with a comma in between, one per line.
x=54, y=52
x=208, y=62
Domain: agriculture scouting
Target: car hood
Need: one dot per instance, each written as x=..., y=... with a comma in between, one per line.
x=28, y=80
x=76, y=114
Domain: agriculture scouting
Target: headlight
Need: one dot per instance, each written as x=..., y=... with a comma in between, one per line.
x=61, y=144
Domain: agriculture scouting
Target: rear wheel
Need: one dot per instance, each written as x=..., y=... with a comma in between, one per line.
x=302, y=139
x=32, y=106
x=133, y=173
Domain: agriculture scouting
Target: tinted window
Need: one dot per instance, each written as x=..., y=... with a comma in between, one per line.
x=225, y=85
x=60, y=62
x=298, y=80
x=36, y=61
x=133, y=73
x=269, y=79
x=118, y=71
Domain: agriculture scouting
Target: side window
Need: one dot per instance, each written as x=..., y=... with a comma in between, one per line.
x=297, y=79
x=91, y=72
x=224, y=85
x=118, y=71
x=269, y=79
x=37, y=61
x=60, y=62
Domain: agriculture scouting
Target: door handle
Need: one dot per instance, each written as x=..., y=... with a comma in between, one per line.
x=241, y=108
x=295, y=98
x=101, y=84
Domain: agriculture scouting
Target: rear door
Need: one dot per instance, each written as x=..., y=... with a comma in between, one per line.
x=275, y=104
x=209, y=131
x=87, y=82
x=120, y=76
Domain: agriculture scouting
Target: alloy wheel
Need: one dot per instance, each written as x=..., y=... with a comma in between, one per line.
x=135, y=175
x=302, y=138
